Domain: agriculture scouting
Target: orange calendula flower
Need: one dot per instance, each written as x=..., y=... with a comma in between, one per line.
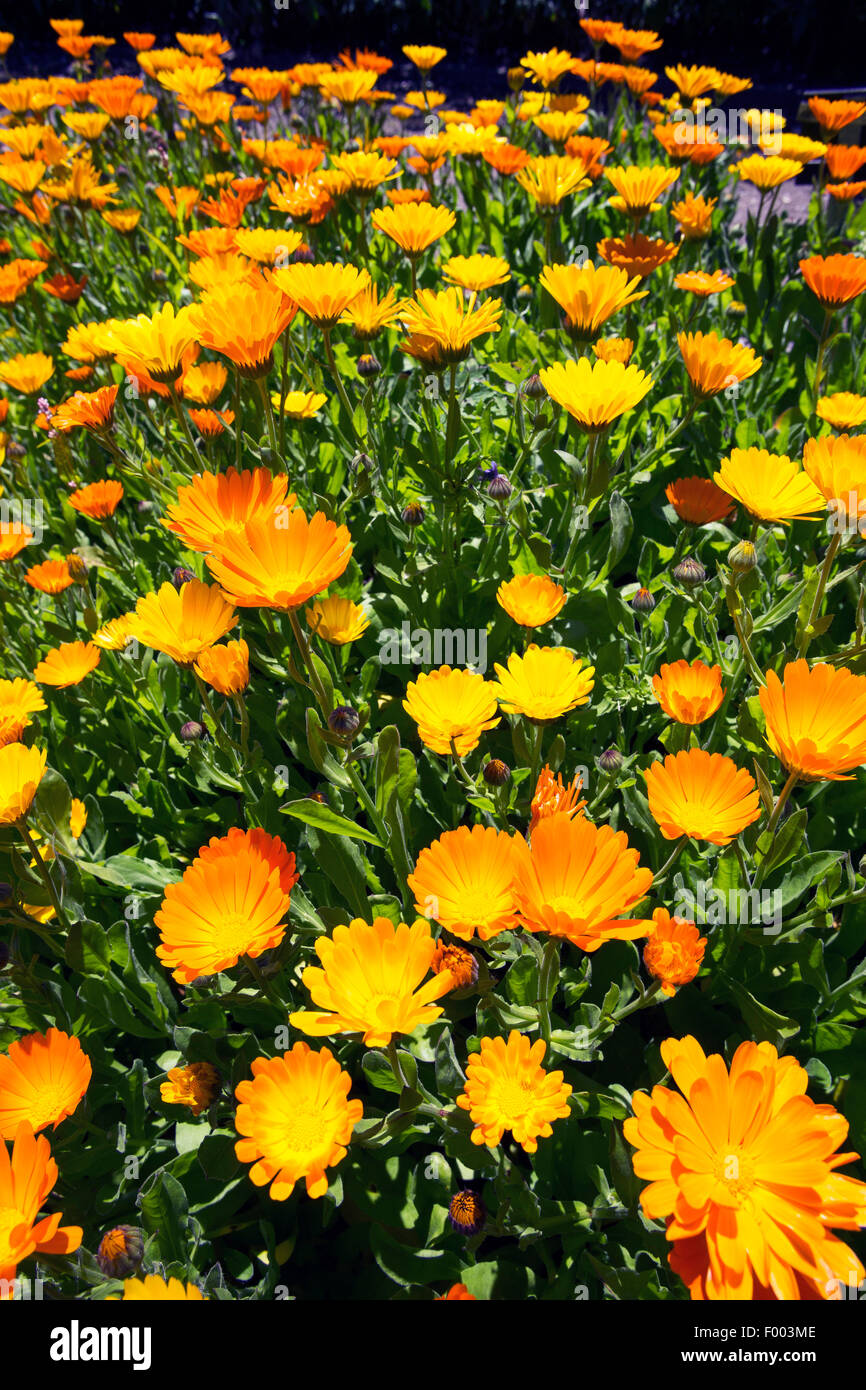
x=833, y=116
x=195, y=1085
x=203, y=383
x=590, y=295
x=215, y=505
x=703, y=283
x=767, y=171
x=463, y=881
x=227, y=905
x=614, y=350
x=449, y=323
x=97, y=500
x=698, y=501
x=323, y=292
x=226, y=668
x=544, y=683
x=19, y=698
x=715, y=363
x=508, y=1089
x=835, y=280
x=458, y=1293
x=27, y=372
x=674, y=951
x=595, y=394
x=183, y=622
x=574, y=878
x=92, y=410
x=424, y=56
x=282, y=563
x=413, y=226
x=702, y=795
x=65, y=288
x=637, y=254
x=553, y=798
x=460, y=964
x=27, y=1176
x=451, y=706
x=694, y=216
x=745, y=1162
x=772, y=487
x=371, y=982
x=816, y=720
x=689, y=693
x=337, y=620
x=638, y=188
x=157, y=342
x=837, y=467
x=296, y=1119
x=67, y=664
x=50, y=577
x=531, y=599
x=243, y=322
x=42, y=1080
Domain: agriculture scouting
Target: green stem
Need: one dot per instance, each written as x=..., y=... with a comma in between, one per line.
x=42, y=868
x=808, y=634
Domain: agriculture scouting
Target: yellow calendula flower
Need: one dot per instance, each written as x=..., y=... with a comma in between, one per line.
x=595, y=394
x=773, y=487
x=508, y=1089
x=589, y=295
x=476, y=272
x=299, y=405
x=337, y=620
x=544, y=683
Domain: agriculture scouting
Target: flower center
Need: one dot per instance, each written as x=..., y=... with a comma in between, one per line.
x=47, y=1105
x=233, y=933
x=513, y=1099
x=305, y=1129
x=737, y=1171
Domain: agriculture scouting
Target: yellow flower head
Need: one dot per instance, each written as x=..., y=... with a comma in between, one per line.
x=451, y=706
x=445, y=320
x=337, y=620
x=531, y=599
x=772, y=487
x=595, y=394
x=182, y=623
x=508, y=1089
x=413, y=226
x=590, y=295
x=544, y=683
x=371, y=982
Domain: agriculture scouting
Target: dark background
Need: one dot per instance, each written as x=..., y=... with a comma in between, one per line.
x=785, y=46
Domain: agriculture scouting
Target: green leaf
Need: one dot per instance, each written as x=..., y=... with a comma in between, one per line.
x=761, y=1020
x=164, y=1214
x=409, y=1266
x=323, y=818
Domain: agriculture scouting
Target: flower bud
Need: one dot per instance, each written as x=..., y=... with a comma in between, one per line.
x=466, y=1212
x=516, y=78
x=496, y=773
x=180, y=576
x=689, y=572
x=361, y=463
x=368, y=365
x=533, y=388
x=610, y=760
x=643, y=601
x=412, y=515
x=499, y=488
x=192, y=730
x=742, y=557
x=77, y=566
x=120, y=1252
x=344, y=721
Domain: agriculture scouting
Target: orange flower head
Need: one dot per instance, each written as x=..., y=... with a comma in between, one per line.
x=296, y=1120
x=226, y=668
x=637, y=254
x=50, y=577
x=216, y=505
x=463, y=881
x=702, y=795
x=254, y=844
x=614, y=350
x=449, y=323
x=714, y=363
x=42, y=1079
x=531, y=599
x=703, y=283
x=461, y=965
x=27, y=1176
x=19, y=698
x=183, y=622
x=745, y=1161
x=195, y=1086
x=835, y=280
x=816, y=720
x=689, y=693
x=833, y=116
x=698, y=501
x=574, y=878
x=243, y=322
x=67, y=664
x=508, y=1089
x=674, y=951
x=226, y=906
x=837, y=467
x=371, y=982
x=97, y=500
x=322, y=292
x=553, y=798
x=282, y=561
x=590, y=295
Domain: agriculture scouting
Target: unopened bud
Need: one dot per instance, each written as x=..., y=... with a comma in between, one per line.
x=499, y=488
x=643, y=601
x=344, y=721
x=496, y=773
x=689, y=572
x=181, y=576
x=533, y=388
x=77, y=566
x=192, y=730
x=412, y=515
x=610, y=760
x=368, y=365
x=742, y=557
